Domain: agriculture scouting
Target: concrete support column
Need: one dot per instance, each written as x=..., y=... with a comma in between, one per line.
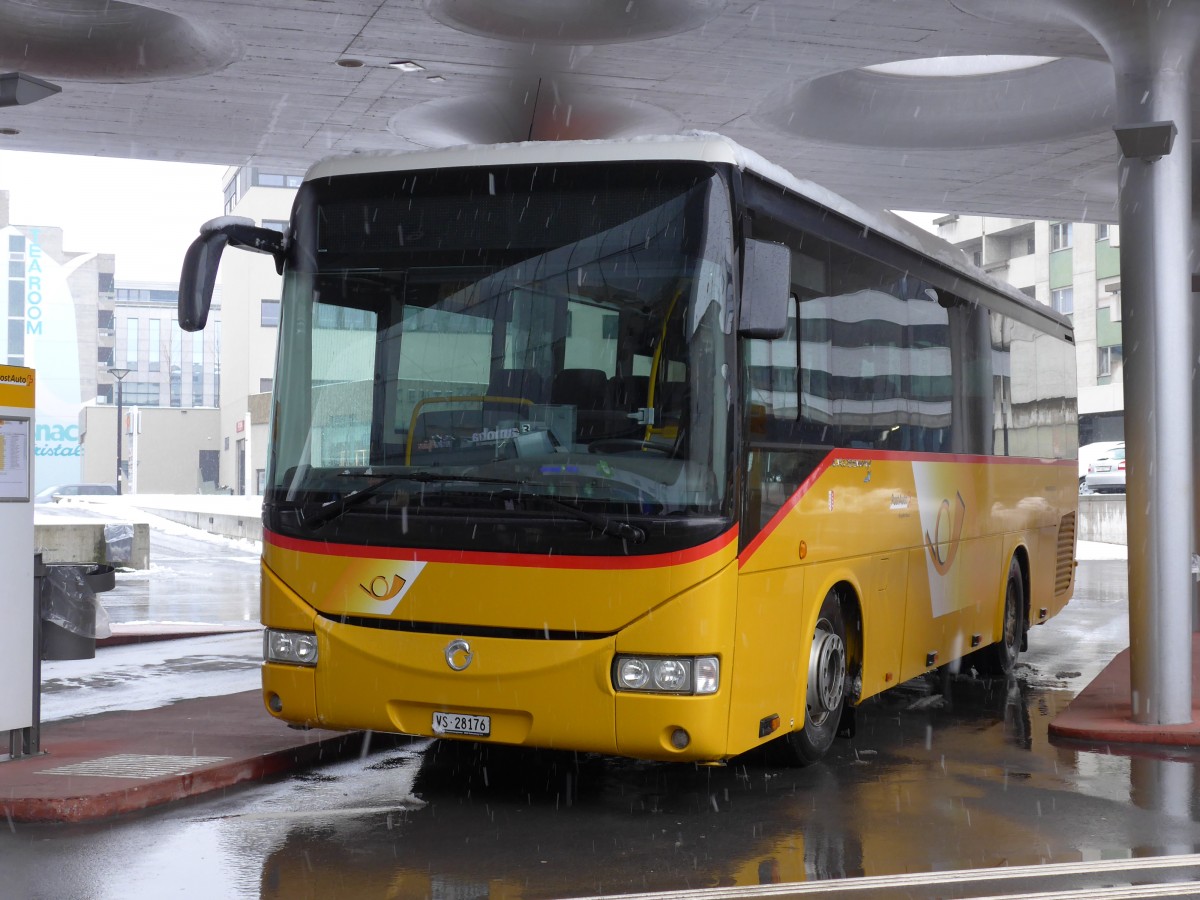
x=1156, y=321
x=1193, y=264
x=1151, y=44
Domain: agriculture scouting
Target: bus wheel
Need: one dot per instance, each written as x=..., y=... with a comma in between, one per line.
x=999, y=659
x=826, y=694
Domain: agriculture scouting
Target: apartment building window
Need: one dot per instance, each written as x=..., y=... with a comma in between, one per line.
x=232, y=194
x=198, y=368
x=1063, y=300
x=216, y=379
x=275, y=179
x=268, y=316
x=1030, y=246
x=1060, y=235
x=141, y=393
x=1108, y=361
x=104, y=393
x=105, y=282
x=279, y=225
x=153, y=351
x=1101, y=232
x=266, y=385
x=131, y=343
x=104, y=321
x=104, y=356
x=176, y=365
x=16, y=340
x=16, y=243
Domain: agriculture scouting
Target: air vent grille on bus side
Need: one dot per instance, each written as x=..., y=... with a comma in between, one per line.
x=1065, y=561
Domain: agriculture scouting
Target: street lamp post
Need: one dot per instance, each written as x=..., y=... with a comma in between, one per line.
x=119, y=373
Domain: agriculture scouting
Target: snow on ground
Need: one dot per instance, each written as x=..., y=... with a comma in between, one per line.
x=151, y=675
x=1093, y=550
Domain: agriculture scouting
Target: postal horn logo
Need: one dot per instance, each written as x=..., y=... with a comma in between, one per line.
x=943, y=546
x=380, y=590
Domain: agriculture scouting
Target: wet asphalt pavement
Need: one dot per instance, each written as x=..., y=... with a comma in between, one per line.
x=944, y=773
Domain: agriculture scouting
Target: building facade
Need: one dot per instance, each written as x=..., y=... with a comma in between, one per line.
x=163, y=450
x=250, y=311
x=165, y=373
x=166, y=366
x=58, y=316
x=1076, y=269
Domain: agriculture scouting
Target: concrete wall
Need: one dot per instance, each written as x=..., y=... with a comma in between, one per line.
x=225, y=524
x=62, y=539
x=223, y=514
x=165, y=453
x=1102, y=518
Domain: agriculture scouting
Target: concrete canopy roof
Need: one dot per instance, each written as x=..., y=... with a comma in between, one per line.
x=283, y=83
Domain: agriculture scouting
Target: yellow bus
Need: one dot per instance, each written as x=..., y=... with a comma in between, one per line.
x=643, y=448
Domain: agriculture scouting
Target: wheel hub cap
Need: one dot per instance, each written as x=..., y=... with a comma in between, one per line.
x=826, y=672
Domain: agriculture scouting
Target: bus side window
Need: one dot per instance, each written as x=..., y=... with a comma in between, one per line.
x=777, y=457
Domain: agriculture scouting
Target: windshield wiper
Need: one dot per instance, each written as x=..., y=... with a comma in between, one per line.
x=612, y=527
x=333, y=510
x=603, y=524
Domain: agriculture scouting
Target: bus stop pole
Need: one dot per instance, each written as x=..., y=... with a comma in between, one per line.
x=19, y=700
x=28, y=741
x=33, y=738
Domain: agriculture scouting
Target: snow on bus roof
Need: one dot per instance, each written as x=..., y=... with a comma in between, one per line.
x=702, y=146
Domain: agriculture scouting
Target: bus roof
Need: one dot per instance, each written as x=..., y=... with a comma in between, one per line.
x=699, y=146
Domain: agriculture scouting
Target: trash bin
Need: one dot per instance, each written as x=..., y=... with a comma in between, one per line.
x=118, y=543
x=72, y=617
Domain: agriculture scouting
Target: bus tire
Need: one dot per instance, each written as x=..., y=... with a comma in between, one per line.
x=998, y=660
x=825, y=693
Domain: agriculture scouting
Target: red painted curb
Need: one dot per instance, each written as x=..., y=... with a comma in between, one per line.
x=236, y=727
x=1102, y=713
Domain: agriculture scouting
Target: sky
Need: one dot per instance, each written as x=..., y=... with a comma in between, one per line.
x=145, y=212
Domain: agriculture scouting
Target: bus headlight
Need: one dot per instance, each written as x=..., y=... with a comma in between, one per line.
x=667, y=674
x=299, y=648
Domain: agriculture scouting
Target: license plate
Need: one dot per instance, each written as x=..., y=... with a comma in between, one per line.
x=461, y=723
x=1103, y=468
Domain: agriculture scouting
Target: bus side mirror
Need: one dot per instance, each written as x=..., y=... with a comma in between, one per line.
x=203, y=257
x=766, y=285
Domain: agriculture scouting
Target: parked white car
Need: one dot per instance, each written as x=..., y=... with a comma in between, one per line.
x=56, y=492
x=1107, y=474
x=1089, y=453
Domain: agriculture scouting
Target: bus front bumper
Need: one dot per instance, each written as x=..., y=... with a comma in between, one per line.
x=546, y=694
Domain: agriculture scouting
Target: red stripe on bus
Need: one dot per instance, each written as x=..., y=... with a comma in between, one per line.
x=486, y=558
x=787, y=507
x=889, y=456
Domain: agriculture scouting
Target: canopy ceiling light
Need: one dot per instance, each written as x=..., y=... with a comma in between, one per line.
x=18, y=89
x=1149, y=142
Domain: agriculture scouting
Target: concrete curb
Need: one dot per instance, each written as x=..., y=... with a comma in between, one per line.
x=231, y=739
x=1102, y=713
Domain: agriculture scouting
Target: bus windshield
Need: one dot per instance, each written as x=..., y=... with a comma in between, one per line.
x=538, y=355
